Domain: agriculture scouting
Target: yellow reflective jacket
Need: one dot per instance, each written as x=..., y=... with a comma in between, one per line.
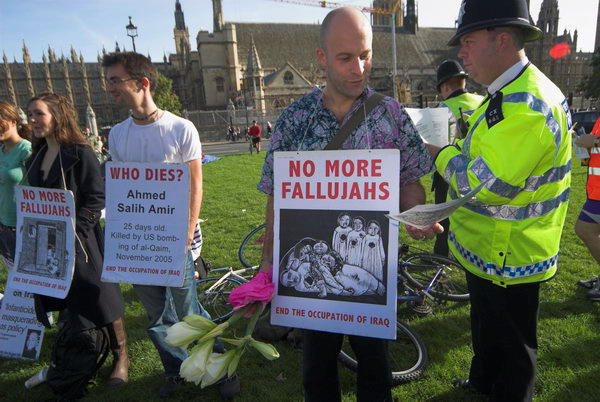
x=519, y=145
x=465, y=102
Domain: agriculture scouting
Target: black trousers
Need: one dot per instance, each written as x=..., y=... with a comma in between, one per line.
x=504, y=335
x=440, y=188
x=321, y=383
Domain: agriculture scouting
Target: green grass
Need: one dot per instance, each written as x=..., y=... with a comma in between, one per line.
x=569, y=326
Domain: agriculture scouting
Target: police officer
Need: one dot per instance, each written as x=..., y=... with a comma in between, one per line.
x=507, y=239
x=451, y=84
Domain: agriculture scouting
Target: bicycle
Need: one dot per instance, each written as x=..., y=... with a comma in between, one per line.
x=251, y=247
x=213, y=291
x=408, y=354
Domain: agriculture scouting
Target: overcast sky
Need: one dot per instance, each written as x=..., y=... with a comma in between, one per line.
x=89, y=25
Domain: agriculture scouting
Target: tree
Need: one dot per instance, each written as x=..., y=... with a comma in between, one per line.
x=591, y=85
x=164, y=97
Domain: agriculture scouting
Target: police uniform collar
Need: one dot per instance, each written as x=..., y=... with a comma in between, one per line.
x=456, y=93
x=509, y=75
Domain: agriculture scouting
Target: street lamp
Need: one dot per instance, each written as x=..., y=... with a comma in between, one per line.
x=131, y=32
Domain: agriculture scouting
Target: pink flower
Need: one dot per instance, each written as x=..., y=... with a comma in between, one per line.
x=259, y=289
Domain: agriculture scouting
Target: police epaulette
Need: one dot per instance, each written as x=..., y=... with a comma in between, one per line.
x=493, y=114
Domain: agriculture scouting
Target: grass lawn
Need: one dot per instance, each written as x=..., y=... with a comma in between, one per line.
x=569, y=325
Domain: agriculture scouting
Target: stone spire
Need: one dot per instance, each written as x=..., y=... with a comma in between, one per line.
x=218, y=21
x=68, y=87
x=47, y=74
x=26, y=62
x=253, y=65
x=9, y=81
x=254, y=79
x=74, y=58
x=117, y=49
x=26, y=57
x=179, y=18
x=51, y=55
x=84, y=78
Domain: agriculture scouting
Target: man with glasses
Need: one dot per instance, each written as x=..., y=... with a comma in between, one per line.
x=158, y=136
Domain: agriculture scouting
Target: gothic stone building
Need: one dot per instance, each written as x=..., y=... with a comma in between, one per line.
x=265, y=66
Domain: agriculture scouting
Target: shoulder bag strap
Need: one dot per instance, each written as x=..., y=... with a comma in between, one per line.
x=357, y=118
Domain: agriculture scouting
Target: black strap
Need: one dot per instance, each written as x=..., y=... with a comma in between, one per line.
x=357, y=118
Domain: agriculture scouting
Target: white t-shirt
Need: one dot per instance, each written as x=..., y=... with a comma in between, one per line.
x=170, y=139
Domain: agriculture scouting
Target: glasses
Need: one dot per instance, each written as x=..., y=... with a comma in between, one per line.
x=117, y=81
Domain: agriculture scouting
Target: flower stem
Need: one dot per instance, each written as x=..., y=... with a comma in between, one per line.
x=252, y=322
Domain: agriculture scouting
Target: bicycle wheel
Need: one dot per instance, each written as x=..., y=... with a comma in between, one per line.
x=214, y=297
x=251, y=247
x=408, y=355
x=451, y=284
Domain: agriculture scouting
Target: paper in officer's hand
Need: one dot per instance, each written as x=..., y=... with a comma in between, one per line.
x=431, y=124
x=424, y=216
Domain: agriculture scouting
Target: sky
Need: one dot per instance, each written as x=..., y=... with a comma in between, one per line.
x=88, y=25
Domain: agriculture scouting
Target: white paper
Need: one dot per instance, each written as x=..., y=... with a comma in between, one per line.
x=336, y=200
x=21, y=333
x=146, y=226
x=431, y=124
x=45, y=249
x=423, y=216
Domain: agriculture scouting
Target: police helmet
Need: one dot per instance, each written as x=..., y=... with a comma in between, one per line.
x=449, y=69
x=477, y=14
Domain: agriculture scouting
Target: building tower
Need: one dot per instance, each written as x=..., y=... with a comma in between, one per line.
x=548, y=18
x=254, y=93
x=182, y=37
x=384, y=19
x=218, y=20
x=411, y=22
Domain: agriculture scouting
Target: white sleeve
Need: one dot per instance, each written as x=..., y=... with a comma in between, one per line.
x=190, y=146
x=112, y=144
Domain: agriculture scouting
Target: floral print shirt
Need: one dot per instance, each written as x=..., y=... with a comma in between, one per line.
x=307, y=125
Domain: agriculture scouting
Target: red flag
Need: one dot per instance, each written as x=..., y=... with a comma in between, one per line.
x=560, y=50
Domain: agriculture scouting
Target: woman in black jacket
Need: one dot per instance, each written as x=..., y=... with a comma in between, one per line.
x=62, y=159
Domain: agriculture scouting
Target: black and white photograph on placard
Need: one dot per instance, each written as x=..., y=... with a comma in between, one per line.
x=333, y=255
x=44, y=250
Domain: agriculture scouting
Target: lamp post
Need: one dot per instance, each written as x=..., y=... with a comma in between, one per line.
x=131, y=32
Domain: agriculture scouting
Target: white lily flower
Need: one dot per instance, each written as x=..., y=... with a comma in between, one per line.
x=182, y=334
x=197, y=321
x=265, y=349
x=216, y=368
x=193, y=368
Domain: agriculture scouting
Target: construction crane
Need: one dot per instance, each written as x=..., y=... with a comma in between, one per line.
x=391, y=12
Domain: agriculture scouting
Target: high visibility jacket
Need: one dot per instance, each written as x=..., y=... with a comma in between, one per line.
x=593, y=181
x=519, y=145
x=457, y=102
x=467, y=102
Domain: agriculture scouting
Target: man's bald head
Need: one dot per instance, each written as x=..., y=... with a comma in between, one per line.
x=343, y=15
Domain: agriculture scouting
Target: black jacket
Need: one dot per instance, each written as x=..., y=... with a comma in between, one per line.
x=93, y=302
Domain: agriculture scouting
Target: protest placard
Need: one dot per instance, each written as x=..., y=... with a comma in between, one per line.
x=21, y=333
x=335, y=251
x=146, y=226
x=45, y=249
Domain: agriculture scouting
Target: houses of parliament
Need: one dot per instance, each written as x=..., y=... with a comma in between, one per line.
x=266, y=66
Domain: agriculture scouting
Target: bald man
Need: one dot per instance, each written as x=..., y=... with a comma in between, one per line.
x=309, y=124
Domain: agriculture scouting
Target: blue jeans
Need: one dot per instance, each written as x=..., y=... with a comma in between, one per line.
x=166, y=306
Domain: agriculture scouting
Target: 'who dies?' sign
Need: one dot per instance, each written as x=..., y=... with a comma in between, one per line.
x=147, y=209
